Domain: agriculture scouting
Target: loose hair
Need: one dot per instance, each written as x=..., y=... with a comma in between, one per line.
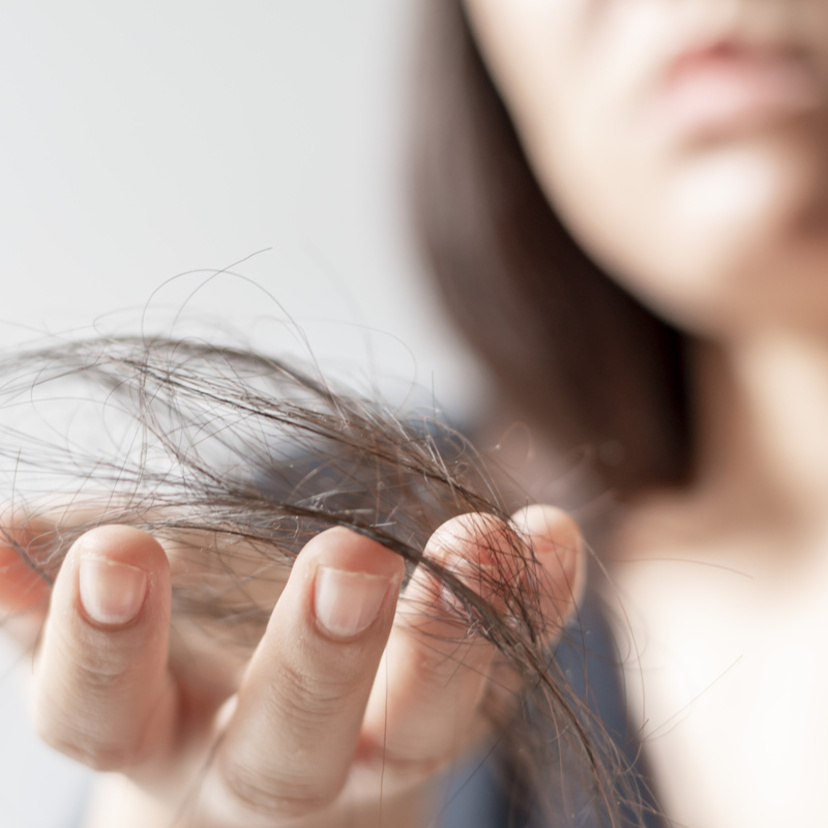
x=231, y=455
x=582, y=359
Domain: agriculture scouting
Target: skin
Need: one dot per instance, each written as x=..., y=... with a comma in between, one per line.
x=721, y=586
x=338, y=717
x=697, y=224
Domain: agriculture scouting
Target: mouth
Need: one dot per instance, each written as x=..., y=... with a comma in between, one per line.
x=732, y=88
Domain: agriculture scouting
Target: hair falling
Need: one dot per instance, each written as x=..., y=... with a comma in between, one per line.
x=233, y=460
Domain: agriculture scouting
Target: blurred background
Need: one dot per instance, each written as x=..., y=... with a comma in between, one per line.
x=234, y=170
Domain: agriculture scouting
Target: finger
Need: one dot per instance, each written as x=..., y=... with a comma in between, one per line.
x=557, y=546
x=426, y=704
x=24, y=587
x=552, y=586
x=433, y=672
x=102, y=691
x=291, y=741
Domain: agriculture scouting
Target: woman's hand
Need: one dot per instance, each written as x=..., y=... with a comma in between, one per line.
x=352, y=701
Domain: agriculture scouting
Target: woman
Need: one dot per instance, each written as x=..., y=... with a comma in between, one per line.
x=682, y=144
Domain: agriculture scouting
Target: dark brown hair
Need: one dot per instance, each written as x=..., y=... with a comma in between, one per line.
x=573, y=352
x=234, y=459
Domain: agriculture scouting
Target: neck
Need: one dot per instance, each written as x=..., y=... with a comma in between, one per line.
x=763, y=431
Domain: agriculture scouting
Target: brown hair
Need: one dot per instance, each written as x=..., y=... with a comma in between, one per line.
x=234, y=460
x=576, y=354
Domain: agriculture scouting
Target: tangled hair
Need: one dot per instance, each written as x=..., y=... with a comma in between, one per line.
x=235, y=459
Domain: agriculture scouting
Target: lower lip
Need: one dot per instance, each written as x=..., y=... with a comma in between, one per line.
x=718, y=94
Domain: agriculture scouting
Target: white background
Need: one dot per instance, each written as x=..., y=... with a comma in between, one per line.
x=144, y=146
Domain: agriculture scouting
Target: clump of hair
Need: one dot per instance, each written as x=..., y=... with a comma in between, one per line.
x=229, y=454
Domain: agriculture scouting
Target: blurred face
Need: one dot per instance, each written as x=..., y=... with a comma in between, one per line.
x=684, y=142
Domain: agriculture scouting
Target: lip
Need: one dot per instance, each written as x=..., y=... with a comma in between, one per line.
x=730, y=88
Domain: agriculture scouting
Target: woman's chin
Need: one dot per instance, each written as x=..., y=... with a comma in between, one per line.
x=725, y=288
x=736, y=267
x=766, y=186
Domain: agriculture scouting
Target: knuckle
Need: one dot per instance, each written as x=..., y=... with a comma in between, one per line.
x=273, y=795
x=105, y=759
x=88, y=732
x=307, y=698
x=92, y=661
x=100, y=672
x=83, y=748
x=447, y=664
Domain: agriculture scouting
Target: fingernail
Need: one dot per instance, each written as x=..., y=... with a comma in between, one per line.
x=347, y=603
x=112, y=593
